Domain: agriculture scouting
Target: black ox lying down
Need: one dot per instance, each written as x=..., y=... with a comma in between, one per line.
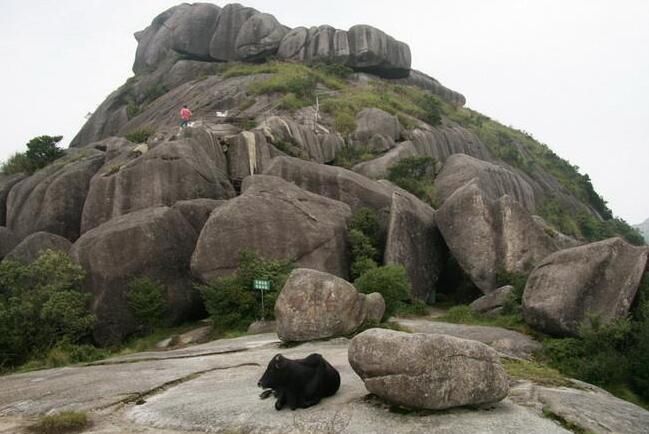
x=299, y=383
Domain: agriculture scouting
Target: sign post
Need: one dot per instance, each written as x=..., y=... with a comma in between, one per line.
x=262, y=285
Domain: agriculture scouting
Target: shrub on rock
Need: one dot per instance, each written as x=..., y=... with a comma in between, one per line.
x=391, y=282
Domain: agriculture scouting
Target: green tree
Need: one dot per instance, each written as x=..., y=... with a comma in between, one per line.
x=42, y=150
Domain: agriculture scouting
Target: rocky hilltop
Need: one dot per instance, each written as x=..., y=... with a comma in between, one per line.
x=295, y=134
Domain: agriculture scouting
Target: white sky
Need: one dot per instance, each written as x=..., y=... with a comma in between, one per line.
x=574, y=73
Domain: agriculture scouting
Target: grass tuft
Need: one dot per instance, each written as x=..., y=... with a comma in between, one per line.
x=64, y=422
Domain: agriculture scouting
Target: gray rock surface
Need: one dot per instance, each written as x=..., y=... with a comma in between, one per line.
x=375, y=127
x=259, y=37
x=230, y=22
x=52, y=199
x=315, y=305
x=414, y=242
x=374, y=308
x=372, y=50
x=278, y=220
x=587, y=407
x=492, y=302
x=156, y=243
x=248, y=154
x=8, y=240
x=508, y=343
x=487, y=236
x=191, y=35
x=378, y=167
x=561, y=240
x=599, y=278
x=187, y=168
x=6, y=184
x=197, y=211
x=212, y=387
x=432, y=371
x=336, y=183
x=29, y=249
x=493, y=180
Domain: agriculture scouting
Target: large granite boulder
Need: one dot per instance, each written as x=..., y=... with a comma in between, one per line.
x=191, y=36
x=248, y=154
x=52, y=199
x=493, y=180
x=374, y=51
x=31, y=247
x=594, y=279
x=431, y=371
x=487, y=236
x=316, y=305
x=336, y=183
x=300, y=141
x=278, y=220
x=230, y=22
x=187, y=168
x=493, y=302
x=259, y=37
x=6, y=184
x=8, y=240
x=414, y=242
x=378, y=168
x=376, y=129
x=197, y=211
x=156, y=243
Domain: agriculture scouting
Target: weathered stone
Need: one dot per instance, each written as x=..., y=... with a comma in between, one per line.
x=191, y=36
x=230, y=21
x=293, y=45
x=508, y=343
x=197, y=211
x=154, y=42
x=336, y=183
x=432, y=371
x=155, y=243
x=248, y=154
x=488, y=236
x=378, y=168
x=291, y=137
x=52, y=199
x=599, y=278
x=376, y=130
x=443, y=141
x=414, y=242
x=187, y=168
x=372, y=50
x=493, y=180
x=259, y=327
x=374, y=307
x=278, y=220
x=561, y=240
x=31, y=247
x=315, y=305
x=259, y=37
x=493, y=301
x=8, y=240
x=6, y=184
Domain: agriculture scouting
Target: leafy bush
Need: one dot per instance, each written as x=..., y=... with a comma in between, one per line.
x=518, y=281
x=335, y=69
x=360, y=246
x=366, y=221
x=362, y=266
x=231, y=301
x=61, y=423
x=41, y=151
x=64, y=354
x=41, y=305
x=366, y=239
x=391, y=281
x=140, y=135
x=416, y=175
x=349, y=156
x=147, y=301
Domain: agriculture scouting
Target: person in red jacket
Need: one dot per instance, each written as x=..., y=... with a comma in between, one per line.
x=185, y=116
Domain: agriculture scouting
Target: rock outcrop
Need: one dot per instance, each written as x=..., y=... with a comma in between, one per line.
x=414, y=242
x=8, y=240
x=187, y=168
x=156, y=243
x=29, y=249
x=239, y=33
x=278, y=220
x=493, y=302
x=432, y=371
x=595, y=279
x=315, y=305
x=52, y=199
x=197, y=211
x=493, y=180
x=376, y=130
x=487, y=236
x=335, y=183
x=6, y=184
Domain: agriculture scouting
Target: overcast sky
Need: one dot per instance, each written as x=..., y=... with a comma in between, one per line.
x=574, y=73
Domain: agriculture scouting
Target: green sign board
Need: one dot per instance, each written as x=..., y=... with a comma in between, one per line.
x=261, y=285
